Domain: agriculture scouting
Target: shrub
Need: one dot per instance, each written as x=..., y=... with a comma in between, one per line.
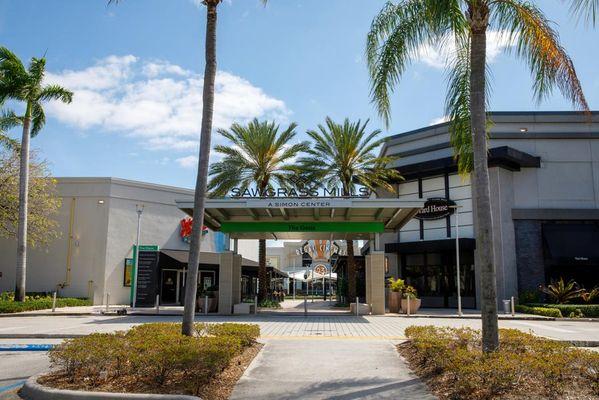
x=524, y=364
x=245, y=333
x=562, y=292
x=37, y=301
x=152, y=356
x=268, y=303
x=588, y=310
x=544, y=311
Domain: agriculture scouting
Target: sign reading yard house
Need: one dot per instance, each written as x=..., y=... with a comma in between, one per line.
x=350, y=227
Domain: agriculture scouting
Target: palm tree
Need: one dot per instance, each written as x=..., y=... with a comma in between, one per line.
x=395, y=36
x=26, y=85
x=262, y=158
x=343, y=157
x=204, y=155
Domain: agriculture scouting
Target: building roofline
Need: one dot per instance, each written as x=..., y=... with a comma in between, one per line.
x=535, y=116
x=124, y=182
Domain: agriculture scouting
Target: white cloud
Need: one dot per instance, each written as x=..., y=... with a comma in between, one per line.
x=157, y=102
x=188, y=162
x=440, y=55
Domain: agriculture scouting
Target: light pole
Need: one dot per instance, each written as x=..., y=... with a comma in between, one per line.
x=457, y=256
x=139, y=210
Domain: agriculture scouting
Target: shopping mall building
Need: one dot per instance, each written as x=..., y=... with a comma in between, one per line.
x=544, y=174
x=544, y=178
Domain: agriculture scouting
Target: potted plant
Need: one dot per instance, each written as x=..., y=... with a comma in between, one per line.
x=212, y=294
x=410, y=300
x=396, y=286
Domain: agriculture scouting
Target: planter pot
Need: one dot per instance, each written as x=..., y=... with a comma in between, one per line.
x=212, y=304
x=394, y=302
x=414, y=305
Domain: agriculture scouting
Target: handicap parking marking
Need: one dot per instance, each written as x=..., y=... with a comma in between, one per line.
x=26, y=347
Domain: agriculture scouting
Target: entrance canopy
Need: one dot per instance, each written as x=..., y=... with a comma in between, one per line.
x=305, y=218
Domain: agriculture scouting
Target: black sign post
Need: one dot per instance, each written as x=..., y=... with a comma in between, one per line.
x=147, y=278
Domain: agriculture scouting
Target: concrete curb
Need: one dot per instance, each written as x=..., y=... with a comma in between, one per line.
x=36, y=314
x=582, y=343
x=42, y=335
x=34, y=391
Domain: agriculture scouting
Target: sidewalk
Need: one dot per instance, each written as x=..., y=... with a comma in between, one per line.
x=329, y=369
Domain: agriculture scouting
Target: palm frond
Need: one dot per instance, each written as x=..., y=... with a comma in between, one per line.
x=538, y=44
x=56, y=92
x=395, y=37
x=586, y=10
x=38, y=119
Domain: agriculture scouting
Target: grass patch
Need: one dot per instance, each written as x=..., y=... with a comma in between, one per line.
x=451, y=361
x=37, y=301
x=153, y=358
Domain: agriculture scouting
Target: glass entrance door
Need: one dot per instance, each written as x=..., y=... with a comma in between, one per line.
x=169, y=291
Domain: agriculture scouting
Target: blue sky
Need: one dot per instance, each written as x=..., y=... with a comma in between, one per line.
x=136, y=72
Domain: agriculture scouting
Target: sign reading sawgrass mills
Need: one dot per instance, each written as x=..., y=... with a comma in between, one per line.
x=436, y=208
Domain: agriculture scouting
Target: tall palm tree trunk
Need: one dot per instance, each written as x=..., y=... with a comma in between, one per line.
x=484, y=220
x=21, y=272
x=351, y=271
x=200, y=189
x=263, y=283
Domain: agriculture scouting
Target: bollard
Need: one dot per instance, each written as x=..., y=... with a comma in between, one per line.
x=157, y=304
x=305, y=305
x=206, y=305
x=53, y=301
x=357, y=306
x=513, y=306
x=107, y=301
x=255, y=305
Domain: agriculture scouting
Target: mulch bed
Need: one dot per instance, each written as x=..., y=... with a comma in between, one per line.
x=442, y=386
x=219, y=388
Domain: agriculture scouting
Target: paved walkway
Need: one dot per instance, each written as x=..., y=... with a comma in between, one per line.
x=329, y=369
x=275, y=326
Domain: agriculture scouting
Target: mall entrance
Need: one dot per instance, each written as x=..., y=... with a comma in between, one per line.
x=321, y=218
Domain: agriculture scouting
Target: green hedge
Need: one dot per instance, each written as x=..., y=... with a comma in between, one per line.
x=150, y=358
x=588, y=310
x=524, y=366
x=7, y=305
x=544, y=311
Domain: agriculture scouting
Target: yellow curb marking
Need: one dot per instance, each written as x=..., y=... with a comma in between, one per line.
x=320, y=337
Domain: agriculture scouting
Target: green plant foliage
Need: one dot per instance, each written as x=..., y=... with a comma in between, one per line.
x=152, y=356
x=37, y=301
x=396, y=285
x=561, y=292
x=409, y=293
x=268, y=303
x=524, y=364
x=588, y=310
x=544, y=311
x=529, y=296
x=590, y=296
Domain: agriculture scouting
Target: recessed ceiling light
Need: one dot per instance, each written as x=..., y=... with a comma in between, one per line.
x=100, y=201
x=523, y=129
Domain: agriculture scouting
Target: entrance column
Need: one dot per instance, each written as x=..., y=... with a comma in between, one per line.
x=375, y=281
x=229, y=282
